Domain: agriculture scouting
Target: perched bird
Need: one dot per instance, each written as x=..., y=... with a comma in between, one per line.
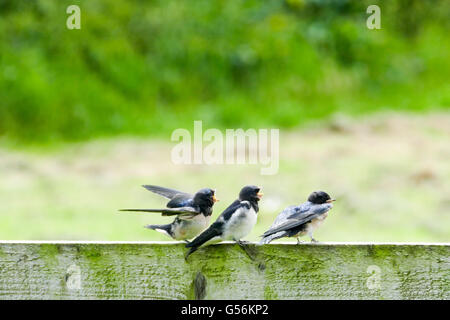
x=193, y=211
x=235, y=222
x=296, y=221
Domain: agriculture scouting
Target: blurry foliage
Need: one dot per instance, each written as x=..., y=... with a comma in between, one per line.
x=139, y=67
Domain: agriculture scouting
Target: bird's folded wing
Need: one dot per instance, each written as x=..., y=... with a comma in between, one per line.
x=165, y=192
x=208, y=234
x=228, y=212
x=291, y=223
x=284, y=216
x=182, y=212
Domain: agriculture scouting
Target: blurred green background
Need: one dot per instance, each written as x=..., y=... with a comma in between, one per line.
x=86, y=115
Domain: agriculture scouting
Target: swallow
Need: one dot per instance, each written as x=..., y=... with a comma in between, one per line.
x=296, y=221
x=192, y=212
x=235, y=222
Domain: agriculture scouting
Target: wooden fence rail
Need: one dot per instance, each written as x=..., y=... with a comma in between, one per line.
x=158, y=270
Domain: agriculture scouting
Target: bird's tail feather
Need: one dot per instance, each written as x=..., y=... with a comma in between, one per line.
x=270, y=238
x=162, y=191
x=143, y=210
x=163, y=228
x=205, y=236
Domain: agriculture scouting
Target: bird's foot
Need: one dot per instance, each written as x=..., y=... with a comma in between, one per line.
x=242, y=243
x=300, y=241
x=188, y=253
x=186, y=256
x=249, y=250
x=314, y=240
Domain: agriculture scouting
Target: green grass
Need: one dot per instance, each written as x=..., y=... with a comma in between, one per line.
x=86, y=115
x=389, y=173
x=146, y=68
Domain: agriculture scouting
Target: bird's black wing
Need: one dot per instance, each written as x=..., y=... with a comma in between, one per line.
x=213, y=231
x=182, y=212
x=216, y=228
x=180, y=200
x=228, y=212
x=167, y=192
x=296, y=220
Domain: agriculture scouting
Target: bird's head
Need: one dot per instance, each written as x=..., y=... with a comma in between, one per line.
x=250, y=193
x=205, y=197
x=320, y=197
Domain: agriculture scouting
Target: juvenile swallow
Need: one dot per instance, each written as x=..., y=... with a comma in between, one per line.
x=192, y=212
x=235, y=222
x=296, y=221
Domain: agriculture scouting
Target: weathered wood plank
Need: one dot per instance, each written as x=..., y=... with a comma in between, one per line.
x=149, y=270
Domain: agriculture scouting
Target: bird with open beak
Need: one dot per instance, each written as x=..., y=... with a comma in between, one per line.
x=235, y=223
x=192, y=212
x=297, y=221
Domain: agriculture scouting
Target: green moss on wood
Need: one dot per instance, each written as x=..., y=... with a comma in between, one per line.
x=225, y=271
x=49, y=254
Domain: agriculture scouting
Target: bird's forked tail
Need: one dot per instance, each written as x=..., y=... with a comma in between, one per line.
x=270, y=238
x=205, y=236
x=163, y=228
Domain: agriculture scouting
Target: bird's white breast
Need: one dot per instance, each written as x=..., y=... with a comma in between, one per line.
x=317, y=222
x=240, y=224
x=190, y=228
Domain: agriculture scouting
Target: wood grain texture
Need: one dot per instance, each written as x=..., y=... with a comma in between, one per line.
x=113, y=270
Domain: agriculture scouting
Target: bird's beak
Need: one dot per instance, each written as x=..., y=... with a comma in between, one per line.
x=215, y=199
x=331, y=200
x=260, y=195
